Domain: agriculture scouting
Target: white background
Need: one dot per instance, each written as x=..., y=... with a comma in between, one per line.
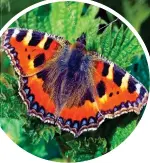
x=136, y=148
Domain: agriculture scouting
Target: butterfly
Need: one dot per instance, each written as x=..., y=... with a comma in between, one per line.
x=66, y=85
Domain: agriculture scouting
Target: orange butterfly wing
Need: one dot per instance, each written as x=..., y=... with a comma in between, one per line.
x=30, y=50
x=38, y=101
x=78, y=119
x=118, y=92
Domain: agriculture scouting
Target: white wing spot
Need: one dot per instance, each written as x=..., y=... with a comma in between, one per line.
x=138, y=87
x=16, y=32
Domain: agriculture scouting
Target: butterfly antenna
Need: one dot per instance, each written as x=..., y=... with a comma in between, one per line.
x=108, y=24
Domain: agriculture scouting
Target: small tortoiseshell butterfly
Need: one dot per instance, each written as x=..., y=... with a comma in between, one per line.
x=66, y=85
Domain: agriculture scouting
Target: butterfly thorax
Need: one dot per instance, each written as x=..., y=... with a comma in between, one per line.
x=69, y=77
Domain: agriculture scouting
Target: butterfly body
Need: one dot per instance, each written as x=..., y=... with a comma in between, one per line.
x=67, y=85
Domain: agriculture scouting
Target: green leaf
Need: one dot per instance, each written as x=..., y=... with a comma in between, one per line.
x=122, y=48
x=86, y=148
x=13, y=131
x=37, y=130
x=10, y=100
x=106, y=41
x=117, y=42
x=121, y=134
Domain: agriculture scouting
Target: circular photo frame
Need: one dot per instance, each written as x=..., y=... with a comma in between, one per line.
x=74, y=80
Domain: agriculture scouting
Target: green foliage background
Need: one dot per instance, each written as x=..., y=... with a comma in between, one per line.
x=116, y=42
x=137, y=12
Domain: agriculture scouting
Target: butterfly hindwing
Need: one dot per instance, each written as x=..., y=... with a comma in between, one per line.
x=85, y=116
x=117, y=91
x=30, y=50
x=38, y=101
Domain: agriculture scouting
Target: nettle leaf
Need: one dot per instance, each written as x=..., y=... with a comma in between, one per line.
x=86, y=148
x=121, y=134
x=71, y=23
x=117, y=43
x=122, y=48
x=106, y=41
x=13, y=129
x=10, y=100
x=37, y=130
x=8, y=81
x=64, y=19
